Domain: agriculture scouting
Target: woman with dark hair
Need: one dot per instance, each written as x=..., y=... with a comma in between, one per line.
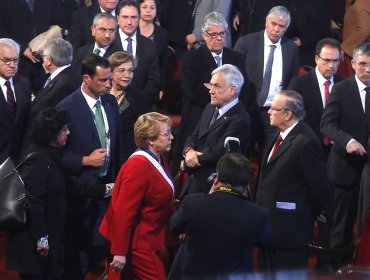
x=150, y=29
x=137, y=217
x=35, y=251
x=131, y=102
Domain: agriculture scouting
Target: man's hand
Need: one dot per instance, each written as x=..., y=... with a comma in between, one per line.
x=191, y=158
x=118, y=263
x=28, y=53
x=190, y=40
x=355, y=148
x=297, y=41
x=236, y=22
x=96, y=158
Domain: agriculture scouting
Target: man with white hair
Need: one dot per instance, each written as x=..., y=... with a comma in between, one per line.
x=15, y=100
x=223, y=117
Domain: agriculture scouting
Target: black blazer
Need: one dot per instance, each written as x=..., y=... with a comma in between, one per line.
x=11, y=130
x=60, y=86
x=134, y=105
x=342, y=120
x=146, y=75
x=19, y=23
x=221, y=230
x=210, y=141
x=252, y=46
x=295, y=174
x=197, y=67
x=46, y=190
x=308, y=86
x=79, y=33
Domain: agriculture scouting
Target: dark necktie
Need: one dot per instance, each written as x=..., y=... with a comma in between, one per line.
x=100, y=127
x=129, y=45
x=367, y=108
x=10, y=97
x=47, y=81
x=267, y=77
x=30, y=4
x=327, y=92
x=214, y=117
x=278, y=140
x=97, y=51
x=218, y=60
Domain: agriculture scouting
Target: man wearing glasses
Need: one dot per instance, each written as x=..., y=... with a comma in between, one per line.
x=223, y=117
x=293, y=186
x=346, y=122
x=15, y=100
x=197, y=67
x=315, y=87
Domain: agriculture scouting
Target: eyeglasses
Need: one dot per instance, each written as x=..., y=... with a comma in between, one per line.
x=363, y=65
x=7, y=60
x=272, y=108
x=328, y=60
x=168, y=134
x=215, y=34
x=121, y=71
x=105, y=30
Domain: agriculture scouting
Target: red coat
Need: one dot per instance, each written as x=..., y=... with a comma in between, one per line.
x=138, y=213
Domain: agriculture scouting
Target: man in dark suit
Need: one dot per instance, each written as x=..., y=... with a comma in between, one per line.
x=346, y=122
x=15, y=100
x=315, y=87
x=103, y=29
x=293, y=184
x=90, y=156
x=220, y=228
x=223, y=117
x=79, y=33
x=196, y=70
x=63, y=80
x=146, y=76
x=21, y=21
x=257, y=48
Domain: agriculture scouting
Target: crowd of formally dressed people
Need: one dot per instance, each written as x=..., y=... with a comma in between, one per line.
x=89, y=109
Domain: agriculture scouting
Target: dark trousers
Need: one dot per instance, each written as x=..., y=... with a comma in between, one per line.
x=84, y=246
x=345, y=212
x=284, y=263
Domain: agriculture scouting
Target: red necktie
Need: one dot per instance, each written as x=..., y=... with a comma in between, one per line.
x=10, y=97
x=278, y=140
x=327, y=92
x=326, y=140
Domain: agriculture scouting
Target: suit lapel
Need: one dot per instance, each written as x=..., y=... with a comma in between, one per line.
x=260, y=58
x=316, y=91
x=20, y=96
x=86, y=113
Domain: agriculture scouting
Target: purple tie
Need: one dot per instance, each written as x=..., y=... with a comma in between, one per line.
x=10, y=97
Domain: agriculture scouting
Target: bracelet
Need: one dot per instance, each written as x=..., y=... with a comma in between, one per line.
x=109, y=189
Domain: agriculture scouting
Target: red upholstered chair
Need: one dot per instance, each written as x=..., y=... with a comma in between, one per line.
x=345, y=68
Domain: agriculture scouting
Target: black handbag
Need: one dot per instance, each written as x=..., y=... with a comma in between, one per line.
x=12, y=196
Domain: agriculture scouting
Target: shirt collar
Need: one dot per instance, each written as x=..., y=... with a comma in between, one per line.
x=90, y=101
x=124, y=36
x=227, y=107
x=321, y=79
x=286, y=132
x=361, y=85
x=2, y=81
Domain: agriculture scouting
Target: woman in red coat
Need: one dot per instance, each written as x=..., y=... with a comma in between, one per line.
x=137, y=216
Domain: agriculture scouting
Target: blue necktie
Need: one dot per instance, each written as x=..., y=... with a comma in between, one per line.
x=129, y=45
x=267, y=77
x=218, y=60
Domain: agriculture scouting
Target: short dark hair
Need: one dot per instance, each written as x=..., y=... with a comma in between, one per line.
x=234, y=169
x=327, y=41
x=91, y=62
x=125, y=3
x=47, y=125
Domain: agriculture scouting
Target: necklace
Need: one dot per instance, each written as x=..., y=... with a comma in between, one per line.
x=122, y=94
